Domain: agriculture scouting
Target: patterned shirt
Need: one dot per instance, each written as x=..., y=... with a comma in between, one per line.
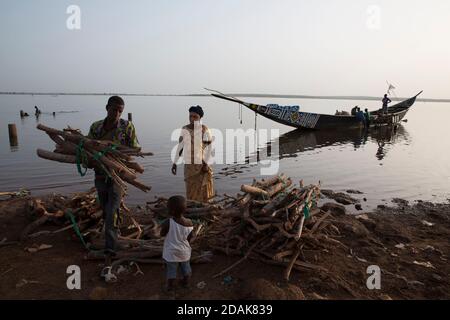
x=124, y=134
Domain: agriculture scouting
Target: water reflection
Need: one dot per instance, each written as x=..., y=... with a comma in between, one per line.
x=297, y=141
x=387, y=137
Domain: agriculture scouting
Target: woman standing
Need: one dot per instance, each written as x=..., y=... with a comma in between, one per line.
x=195, y=141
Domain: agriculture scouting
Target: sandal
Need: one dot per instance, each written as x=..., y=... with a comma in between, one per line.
x=108, y=275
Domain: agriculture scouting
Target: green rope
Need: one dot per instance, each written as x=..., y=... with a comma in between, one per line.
x=81, y=158
x=71, y=217
x=98, y=155
x=306, y=212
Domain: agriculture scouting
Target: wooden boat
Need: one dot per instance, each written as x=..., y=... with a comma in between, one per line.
x=307, y=120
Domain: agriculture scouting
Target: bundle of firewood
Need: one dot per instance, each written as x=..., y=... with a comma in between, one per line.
x=272, y=222
x=52, y=210
x=139, y=237
x=114, y=161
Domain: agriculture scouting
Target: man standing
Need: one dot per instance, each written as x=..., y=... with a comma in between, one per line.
x=360, y=116
x=118, y=131
x=386, y=101
x=367, y=117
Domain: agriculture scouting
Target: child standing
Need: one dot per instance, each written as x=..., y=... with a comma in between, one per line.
x=177, y=250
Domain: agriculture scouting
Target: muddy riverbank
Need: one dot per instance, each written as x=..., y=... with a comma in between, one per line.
x=408, y=241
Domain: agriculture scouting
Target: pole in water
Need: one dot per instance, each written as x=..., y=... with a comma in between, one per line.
x=13, y=140
x=22, y=114
x=130, y=117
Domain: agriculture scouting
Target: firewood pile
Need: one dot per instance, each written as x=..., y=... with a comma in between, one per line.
x=273, y=222
x=55, y=211
x=10, y=195
x=139, y=237
x=114, y=161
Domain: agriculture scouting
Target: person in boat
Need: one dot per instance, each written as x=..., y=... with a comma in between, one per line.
x=385, y=101
x=354, y=111
x=367, y=117
x=360, y=116
x=341, y=113
x=196, y=143
x=122, y=132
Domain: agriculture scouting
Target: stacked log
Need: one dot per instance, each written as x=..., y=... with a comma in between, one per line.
x=275, y=219
x=271, y=221
x=139, y=232
x=114, y=161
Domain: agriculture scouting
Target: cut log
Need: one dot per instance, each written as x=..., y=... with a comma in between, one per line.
x=278, y=187
x=254, y=191
x=48, y=155
x=287, y=272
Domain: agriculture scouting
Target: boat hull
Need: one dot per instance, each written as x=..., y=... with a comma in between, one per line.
x=316, y=121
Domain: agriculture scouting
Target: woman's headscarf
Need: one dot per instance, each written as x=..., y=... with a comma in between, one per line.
x=198, y=110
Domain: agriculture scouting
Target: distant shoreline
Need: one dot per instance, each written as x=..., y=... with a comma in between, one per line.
x=240, y=95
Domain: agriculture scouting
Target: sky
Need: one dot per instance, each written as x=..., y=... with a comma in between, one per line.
x=322, y=47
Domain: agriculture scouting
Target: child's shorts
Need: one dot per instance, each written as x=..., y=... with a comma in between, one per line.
x=172, y=268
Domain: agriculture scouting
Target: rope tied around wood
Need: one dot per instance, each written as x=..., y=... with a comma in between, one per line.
x=69, y=215
x=82, y=159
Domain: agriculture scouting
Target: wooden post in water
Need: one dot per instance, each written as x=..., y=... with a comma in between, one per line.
x=13, y=140
x=130, y=117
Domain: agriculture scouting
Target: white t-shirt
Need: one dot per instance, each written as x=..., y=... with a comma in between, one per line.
x=176, y=246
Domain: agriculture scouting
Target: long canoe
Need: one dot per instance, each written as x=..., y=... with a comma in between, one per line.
x=316, y=121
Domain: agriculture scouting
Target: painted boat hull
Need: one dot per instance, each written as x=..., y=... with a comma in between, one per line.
x=316, y=121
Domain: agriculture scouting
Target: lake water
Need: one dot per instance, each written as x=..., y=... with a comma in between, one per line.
x=410, y=163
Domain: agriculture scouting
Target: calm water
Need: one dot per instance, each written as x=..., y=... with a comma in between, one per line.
x=411, y=163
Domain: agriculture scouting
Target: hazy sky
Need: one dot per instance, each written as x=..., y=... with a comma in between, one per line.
x=180, y=46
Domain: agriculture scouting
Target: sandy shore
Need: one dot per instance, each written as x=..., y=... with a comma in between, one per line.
x=409, y=242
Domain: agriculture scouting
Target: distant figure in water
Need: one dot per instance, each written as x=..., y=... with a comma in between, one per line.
x=54, y=113
x=37, y=112
x=386, y=101
x=367, y=117
x=23, y=114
